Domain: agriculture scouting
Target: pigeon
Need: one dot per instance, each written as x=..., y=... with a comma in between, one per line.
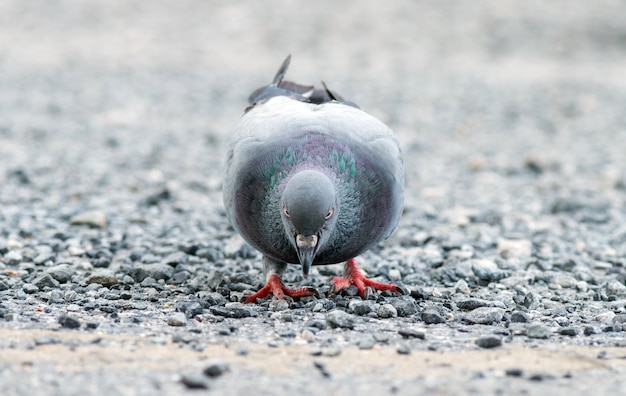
x=311, y=179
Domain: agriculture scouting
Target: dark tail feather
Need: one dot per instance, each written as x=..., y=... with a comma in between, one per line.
x=304, y=93
x=280, y=74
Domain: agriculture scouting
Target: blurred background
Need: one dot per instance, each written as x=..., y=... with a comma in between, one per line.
x=107, y=96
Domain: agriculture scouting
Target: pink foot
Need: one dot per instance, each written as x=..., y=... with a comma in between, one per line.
x=354, y=276
x=276, y=287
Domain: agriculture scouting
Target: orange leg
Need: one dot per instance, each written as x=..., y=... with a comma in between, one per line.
x=275, y=286
x=352, y=275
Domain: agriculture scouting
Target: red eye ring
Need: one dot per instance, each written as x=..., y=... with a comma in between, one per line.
x=330, y=213
x=285, y=211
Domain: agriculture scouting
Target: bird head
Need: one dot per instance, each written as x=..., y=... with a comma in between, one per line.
x=309, y=212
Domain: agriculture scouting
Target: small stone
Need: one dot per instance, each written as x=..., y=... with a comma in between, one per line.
x=582, y=286
x=191, y=309
x=514, y=248
x=461, y=286
x=104, y=277
x=321, y=366
x=62, y=273
x=487, y=270
x=234, y=310
x=42, y=258
x=366, y=343
x=568, y=331
x=44, y=281
x=489, y=341
x=403, y=350
x=69, y=322
x=531, y=300
x=405, y=306
x=431, y=315
x=94, y=219
x=363, y=307
x=331, y=351
x=194, y=381
x=616, y=288
x=340, y=319
x=541, y=376
x=216, y=369
x=591, y=330
x=565, y=280
x=471, y=304
x=177, y=319
x=159, y=271
x=387, y=311
x=92, y=325
x=538, y=330
x=514, y=372
x=46, y=340
x=29, y=288
x=277, y=305
x=213, y=298
x=175, y=259
x=412, y=333
x=10, y=316
x=13, y=258
x=519, y=317
x=605, y=317
x=485, y=315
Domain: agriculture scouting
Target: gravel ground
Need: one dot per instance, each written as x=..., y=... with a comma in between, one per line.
x=119, y=273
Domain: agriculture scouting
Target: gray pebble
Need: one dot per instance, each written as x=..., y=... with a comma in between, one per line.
x=340, y=319
x=177, y=319
x=472, y=303
x=29, y=288
x=431, y=315
x=194, y=381
x=405, y=306
x=569, y=331
x=485, y=315
x=94, y=219
x=489, y=341
x=13, y=257
x=277, y=305
x=541, y=376
x=538, y=330
x=514, y=372
x=216, y=369
x=412, y=333
x=331, y=351
x=69, y=322
x=387, y=311
x=363, y=307
x=366, y=343
x=403, y=349
x=321, y=366
x=103, y=277
x=519, y=317
x=62, y=273
x=591, y=330
x=45, y=280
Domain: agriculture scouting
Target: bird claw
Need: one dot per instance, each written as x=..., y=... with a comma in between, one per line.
x=275, y=287
x=366, y=287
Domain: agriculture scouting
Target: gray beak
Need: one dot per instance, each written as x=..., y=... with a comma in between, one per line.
x=306, y=247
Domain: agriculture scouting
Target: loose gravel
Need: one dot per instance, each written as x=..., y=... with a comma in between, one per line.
x=119, y=273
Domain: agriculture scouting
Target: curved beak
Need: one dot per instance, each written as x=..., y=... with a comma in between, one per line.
x=306, y=247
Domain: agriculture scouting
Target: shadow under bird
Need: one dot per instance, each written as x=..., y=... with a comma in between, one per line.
x=312, y=180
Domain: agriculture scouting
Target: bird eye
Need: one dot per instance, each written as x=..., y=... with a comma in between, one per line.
x=285, y=211
x=330, y=213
